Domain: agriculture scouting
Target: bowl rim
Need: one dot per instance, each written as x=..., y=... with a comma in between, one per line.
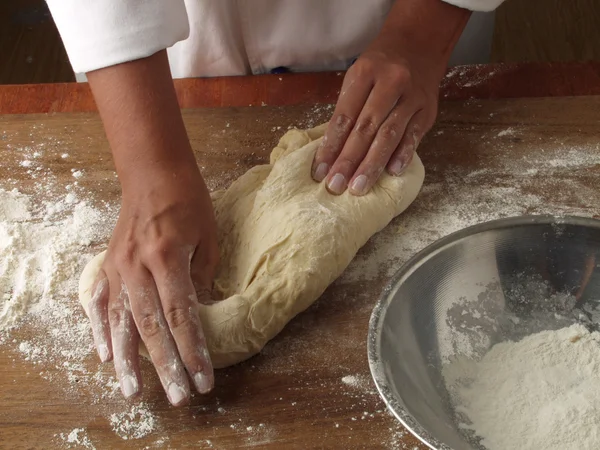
x=376, y=363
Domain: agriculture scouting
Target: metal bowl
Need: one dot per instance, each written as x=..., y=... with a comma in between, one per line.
x=489, y=283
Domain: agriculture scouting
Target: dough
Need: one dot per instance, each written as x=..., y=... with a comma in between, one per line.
x=283, y=239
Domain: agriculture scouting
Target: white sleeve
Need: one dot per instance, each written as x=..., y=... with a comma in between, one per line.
x=476, y=5
x=102, y=33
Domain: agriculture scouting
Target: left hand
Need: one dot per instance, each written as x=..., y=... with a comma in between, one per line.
x=387, y=103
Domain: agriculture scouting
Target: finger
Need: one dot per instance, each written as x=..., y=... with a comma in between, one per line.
x=180, y=306
x=368, y=128
x=353, y=95
x=154, y=331
x=388, y=138
x=203, y=264
x=98, y=311
x=125, y=340
x=419, y=124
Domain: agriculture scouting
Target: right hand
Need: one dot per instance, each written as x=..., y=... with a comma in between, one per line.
x=163, y=252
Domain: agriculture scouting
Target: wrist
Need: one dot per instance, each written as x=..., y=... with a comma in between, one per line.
x=157, y=174
x=143, y=122
x=148, y=157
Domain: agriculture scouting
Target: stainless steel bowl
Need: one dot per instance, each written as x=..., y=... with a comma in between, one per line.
x=488, y=283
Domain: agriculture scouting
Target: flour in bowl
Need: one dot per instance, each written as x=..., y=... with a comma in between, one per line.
x=538, y=393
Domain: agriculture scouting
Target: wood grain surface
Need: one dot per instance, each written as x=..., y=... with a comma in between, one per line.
x=310, y=388
x=547, y=30
x=480, y=81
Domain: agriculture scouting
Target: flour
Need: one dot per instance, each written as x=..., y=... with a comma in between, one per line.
x=510, y=131
x=358, y=381
x=43, y=248
x=77, y=438
x=538, y=393
x=351, y=380
x=41, y=251
x=15, y=207
x=44, y=244
x=460, y=77
x=136, y=423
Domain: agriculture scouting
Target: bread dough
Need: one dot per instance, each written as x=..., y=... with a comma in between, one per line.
x=283, y=239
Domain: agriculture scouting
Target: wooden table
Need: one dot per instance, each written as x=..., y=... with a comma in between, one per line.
x=492, y=153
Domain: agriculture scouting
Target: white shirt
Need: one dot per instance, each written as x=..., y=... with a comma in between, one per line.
x=224, y=37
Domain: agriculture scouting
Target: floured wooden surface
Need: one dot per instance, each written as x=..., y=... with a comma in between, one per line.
x=311, y=387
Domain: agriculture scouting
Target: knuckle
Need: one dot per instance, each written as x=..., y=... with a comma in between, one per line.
x=366, y=127
x=162, y=248
x=400, y=75
x=116, y=315
x=363, y=68
x=162, y=253
x=125, y=257
x=390, y=131
x=343, y=123
x=149, y=324
x=178, y=317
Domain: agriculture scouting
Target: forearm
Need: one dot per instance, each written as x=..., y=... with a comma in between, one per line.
x=142, y=119
x=430, y=26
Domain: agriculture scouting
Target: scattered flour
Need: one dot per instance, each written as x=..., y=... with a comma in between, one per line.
x=537, y=393
x=544, y=181
x=460, y=77
x=77, y=438
x=452, y=198
x=45, y=240
x=136, y=423
x=41, y=251
x=510, y=131
x=14, y=207
x=357, y=381
x=350, y=380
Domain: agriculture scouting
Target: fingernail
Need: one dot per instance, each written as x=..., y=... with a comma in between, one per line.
x=359, y=185
x=103, y=352
x=397, y=167
x=129, y=386
x=337, y=184
x=203, y=383
x=176, y=393
x=321, y=172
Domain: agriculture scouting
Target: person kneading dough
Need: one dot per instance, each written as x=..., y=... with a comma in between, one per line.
x=344, y=182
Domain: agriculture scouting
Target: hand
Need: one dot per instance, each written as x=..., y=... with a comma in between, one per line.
x=388, y=99
x=164, y=241
x=164, y=246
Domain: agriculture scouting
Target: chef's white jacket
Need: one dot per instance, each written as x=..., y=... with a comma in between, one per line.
x=208, y=38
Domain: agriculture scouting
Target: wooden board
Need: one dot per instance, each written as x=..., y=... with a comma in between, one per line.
x=311, y=387
x=483, y=81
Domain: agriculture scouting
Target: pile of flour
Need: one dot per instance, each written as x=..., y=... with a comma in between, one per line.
x=42, y=249
x=542, y=392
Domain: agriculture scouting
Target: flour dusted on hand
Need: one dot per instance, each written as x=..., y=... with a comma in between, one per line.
x=542, y=392
x=283, y=239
